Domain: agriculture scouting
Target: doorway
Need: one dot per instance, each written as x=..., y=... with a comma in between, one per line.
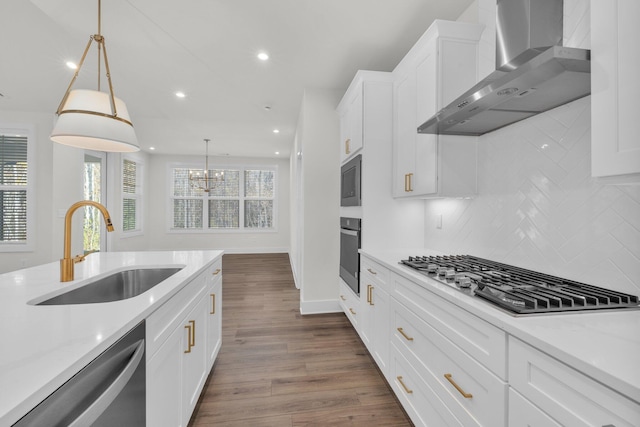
x=95, y=180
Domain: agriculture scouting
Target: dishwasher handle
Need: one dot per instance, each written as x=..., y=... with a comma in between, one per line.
x=91, y=414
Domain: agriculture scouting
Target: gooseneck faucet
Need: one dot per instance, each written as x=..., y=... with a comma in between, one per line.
x=67, y=263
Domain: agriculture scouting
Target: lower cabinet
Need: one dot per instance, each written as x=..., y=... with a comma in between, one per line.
x=374, y=307
x=567, y=396
x=183, y=339
x=350, y=303
x=214, y=317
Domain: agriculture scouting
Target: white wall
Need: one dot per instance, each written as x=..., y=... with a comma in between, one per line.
x=158, y=237
x=537, y=205
x=57, y=186
x=317, y=228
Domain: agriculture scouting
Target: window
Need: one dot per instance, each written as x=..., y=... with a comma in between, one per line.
x=243, y=199
x=131, y=196
x=16, y=203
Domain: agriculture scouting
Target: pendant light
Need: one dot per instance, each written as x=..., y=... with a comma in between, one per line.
x=203, y=179
x=93, y=119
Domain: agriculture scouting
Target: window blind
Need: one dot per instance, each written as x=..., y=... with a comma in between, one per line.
x=13, y=188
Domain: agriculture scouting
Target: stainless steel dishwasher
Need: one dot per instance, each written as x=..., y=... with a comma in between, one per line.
x=109, y=391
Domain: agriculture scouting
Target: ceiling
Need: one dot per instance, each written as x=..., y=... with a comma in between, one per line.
x=208, y=50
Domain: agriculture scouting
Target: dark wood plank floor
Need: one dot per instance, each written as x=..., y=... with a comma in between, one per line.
x=279, y=368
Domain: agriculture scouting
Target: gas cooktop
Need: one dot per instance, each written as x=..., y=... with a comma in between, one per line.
x=517, y=290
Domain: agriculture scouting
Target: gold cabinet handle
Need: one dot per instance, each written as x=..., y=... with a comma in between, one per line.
x=342, y=298
x=407, y=182
x=352, y=312
x=372, y=272
x=407, y=337
x=213, y=304
x=404, y=386
x=347, y=148
x=215, y=273
x=460, y=390
x=370, y=295
x=191, y=338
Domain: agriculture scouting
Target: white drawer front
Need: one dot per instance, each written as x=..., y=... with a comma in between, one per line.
x=568, y=396
x=474, y=395
x=214, y=272
x=523, y=413
x=483, y=341
x=418, y=399
x=161, y=323
x=376, y=271
x=350, y=303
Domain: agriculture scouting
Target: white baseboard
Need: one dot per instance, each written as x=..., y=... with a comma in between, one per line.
x=293, y=272
x=320, y=307
x=256, y=250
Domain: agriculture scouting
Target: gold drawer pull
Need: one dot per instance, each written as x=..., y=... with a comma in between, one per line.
x=408, y=338
x=215, y=273
x=352, y=312
x=342, y=298
x=409, y=391
x=347, y=148
x=213, y=304
x=372, y=272
x=460, y=390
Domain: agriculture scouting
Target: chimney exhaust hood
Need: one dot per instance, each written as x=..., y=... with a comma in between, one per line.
x=534, y=73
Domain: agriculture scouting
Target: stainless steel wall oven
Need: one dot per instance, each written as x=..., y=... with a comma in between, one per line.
x=349, y=255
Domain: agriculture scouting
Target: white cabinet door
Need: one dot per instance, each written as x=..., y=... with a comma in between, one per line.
x=164, y=383
x=351, y=132
x=380, y=331
x=523, y=413
x=440, y=67
x=214, y=321
x=194, y=363
x=615, y=87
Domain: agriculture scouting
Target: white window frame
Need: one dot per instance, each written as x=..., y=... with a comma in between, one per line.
x=241, y=197
x=137, y=196
x=28, y=130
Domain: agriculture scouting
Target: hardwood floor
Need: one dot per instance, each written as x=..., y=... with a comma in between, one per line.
x=279, y=368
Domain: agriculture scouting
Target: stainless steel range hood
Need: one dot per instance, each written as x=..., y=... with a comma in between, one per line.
x=534, y=73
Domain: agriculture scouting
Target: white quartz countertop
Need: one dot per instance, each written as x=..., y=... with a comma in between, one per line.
x=604, y=345
x=43, y=346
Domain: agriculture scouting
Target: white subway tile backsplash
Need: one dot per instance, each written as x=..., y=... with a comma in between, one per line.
x=539, y=208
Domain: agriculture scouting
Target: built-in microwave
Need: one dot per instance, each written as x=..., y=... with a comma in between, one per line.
x=350, y=182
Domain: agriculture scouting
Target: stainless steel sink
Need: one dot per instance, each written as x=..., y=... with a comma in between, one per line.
x=115, y=287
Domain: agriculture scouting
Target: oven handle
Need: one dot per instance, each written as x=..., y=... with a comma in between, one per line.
x=349, y=232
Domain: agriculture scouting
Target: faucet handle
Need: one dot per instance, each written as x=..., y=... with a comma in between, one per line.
x=80, y=258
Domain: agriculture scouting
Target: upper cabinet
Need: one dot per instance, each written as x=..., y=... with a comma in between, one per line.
x=615, y=88
x=439, y=67
x=351, y=115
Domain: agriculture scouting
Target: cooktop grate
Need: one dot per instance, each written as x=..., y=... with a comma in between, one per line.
x=517, y=289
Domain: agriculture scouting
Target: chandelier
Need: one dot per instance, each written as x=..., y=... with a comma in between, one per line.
x=204, y=179
x=93, y=119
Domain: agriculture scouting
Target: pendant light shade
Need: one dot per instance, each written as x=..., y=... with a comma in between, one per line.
x=93, y=119
x=86, y=121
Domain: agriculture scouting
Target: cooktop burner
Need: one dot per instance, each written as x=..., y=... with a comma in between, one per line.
x=518, y=290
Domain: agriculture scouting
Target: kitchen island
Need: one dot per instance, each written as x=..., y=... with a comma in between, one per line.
x=44, y=346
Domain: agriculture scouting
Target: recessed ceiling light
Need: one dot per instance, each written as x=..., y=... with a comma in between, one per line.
x=276, y=131
x=263, y=56
x=72, y=65
x=152, y=148
x=180, y=94
x=277, y=152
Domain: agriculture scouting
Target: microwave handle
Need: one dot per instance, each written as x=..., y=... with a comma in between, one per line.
x=349, y=232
